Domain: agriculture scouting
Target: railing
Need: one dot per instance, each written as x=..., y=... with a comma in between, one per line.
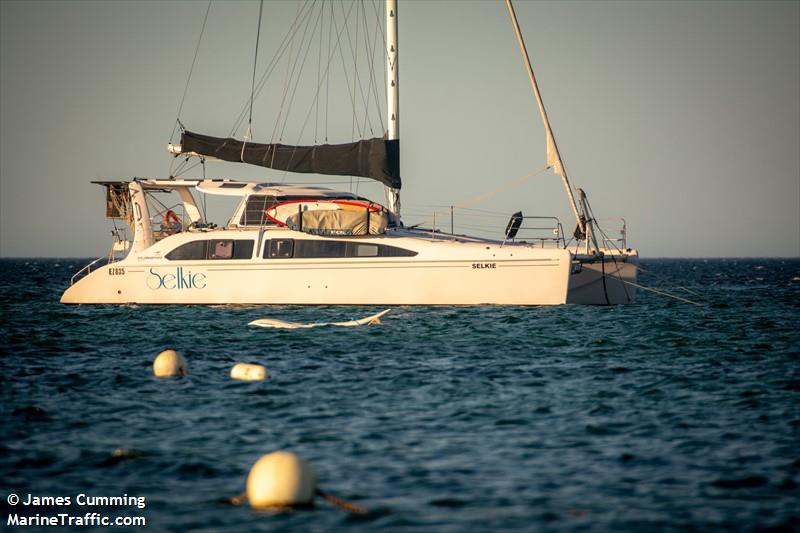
x=620, y=242
x=555, y=232
x=449, y=222
x=120, y=244
x=85, y=271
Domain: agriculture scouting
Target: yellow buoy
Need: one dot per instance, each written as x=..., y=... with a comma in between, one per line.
x=169, y=363
x=280, y=479
x=248, y=372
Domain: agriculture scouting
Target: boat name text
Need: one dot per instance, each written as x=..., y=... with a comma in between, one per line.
x=179, y=279
x=484, y=265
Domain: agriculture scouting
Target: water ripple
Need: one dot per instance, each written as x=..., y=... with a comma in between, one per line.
x=652, y=416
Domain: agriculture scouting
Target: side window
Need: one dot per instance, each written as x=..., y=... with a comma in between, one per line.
x=356, y=249
x=230, y=249
x=242, y=249
x=320, y=249
x=279, y=249
x=394, y=251
x=191, y=251
x=220, y=249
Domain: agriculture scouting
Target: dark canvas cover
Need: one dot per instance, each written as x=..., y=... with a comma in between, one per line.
x=378, y=159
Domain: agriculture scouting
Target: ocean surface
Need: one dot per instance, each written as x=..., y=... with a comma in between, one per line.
x=660, y=415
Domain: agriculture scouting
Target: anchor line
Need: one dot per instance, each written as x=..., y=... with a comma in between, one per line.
x=342, y=504
x=662, y=293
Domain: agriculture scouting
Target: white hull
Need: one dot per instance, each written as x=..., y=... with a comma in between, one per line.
x=444, y=271
x=607, y=281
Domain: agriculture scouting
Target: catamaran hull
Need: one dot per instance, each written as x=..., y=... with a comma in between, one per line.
x=522, y=277
x=607, y=281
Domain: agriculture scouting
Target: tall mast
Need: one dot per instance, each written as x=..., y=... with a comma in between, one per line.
x=553, y=155
x=392, y=91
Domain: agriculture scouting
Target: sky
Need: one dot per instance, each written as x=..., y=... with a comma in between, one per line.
x=681, y=117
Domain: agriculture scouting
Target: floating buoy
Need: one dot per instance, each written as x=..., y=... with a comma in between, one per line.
x=169, y=363
x=248, y=372
x=280, y=479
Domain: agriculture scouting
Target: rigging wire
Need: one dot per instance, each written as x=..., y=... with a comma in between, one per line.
x=316, y=94
x=249, y=134
x=290, y=69
x=303, y=20
x=191, y=70
x=357, y=81
x=327, y=77
x=502, y=187
x=270, y=68
x=299, y=72
x=319, y=87
x=183, y=168
x=486, y=195
x=355, y=69
x=344, y=64
x=255, y=63
x=384, y=62
x=319, y=66
x=373, y=82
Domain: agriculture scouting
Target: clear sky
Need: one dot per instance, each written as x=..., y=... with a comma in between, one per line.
x=683, y=117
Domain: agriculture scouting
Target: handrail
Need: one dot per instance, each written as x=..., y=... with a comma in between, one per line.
x=557, y=230
x=453, y=221
x=87, y=268
x=622, y=240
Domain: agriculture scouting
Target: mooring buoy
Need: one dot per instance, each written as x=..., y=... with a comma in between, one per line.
x=168, y=364
x=280, y=479
x=248, y=372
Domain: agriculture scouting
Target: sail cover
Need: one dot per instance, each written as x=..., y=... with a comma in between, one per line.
x=378, y=159
x=338, y=223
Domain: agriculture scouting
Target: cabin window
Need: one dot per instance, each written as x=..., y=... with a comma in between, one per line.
x=243, y=249
x=321, y=249
x=220, y=249
x=279, y=249
x=212, y=249
x=364, y=250
x=230, y=249
x=191, y=251
x=394, y=251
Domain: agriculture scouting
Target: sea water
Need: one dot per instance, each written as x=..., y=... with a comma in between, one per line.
x=652, y=416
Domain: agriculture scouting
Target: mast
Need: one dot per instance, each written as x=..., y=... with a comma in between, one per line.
x=553, y=155
x=392, y=92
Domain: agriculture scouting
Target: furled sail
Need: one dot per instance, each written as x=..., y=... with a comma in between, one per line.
x=553, y=159
x=378, y=159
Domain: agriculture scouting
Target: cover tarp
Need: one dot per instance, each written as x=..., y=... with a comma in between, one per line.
x=339, y=222
x=378, y=159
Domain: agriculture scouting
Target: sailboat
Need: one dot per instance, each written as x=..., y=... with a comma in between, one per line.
x=301, y=244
